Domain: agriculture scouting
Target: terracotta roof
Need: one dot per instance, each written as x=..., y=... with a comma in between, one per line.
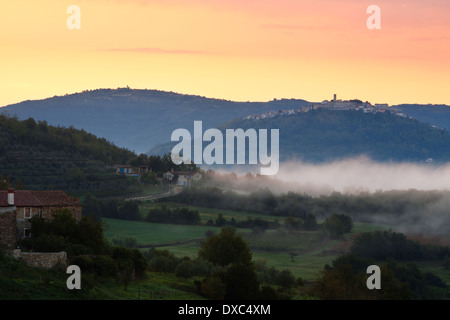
x=32, y=198
x=56, y=198
x=22, y=198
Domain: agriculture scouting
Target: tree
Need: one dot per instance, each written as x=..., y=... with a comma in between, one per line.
x=446, y=263
x=381, y=245
x=346, y=221
x=346, y=279
x=225, y=248
x=293, y=224
x=335, y=226
x=310, y=222
x=220, y=221
x=140, y=160
x=130, y=262
x=64, y=233
x=230, y=251
x=6, y=183
x=213, y=288
x=286, y=279
x=92, y=207
x=241, y=282
x=129, y=211
x=78, y=177
x=293, y=255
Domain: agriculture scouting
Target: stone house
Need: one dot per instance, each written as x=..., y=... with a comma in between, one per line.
x=28, y=203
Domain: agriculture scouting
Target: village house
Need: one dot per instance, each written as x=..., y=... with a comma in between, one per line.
x=17, y=207
x=131, y=171
x=185, y=178
x=124, y=169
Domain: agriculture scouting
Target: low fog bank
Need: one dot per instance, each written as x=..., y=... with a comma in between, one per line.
x=362, y=176
x=432, y=219
x=351, y=176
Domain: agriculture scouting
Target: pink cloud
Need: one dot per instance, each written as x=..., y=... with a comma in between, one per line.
x=157, y=51
x=293, y=27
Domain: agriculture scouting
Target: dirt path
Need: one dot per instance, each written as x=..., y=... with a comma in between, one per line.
x=150, y=197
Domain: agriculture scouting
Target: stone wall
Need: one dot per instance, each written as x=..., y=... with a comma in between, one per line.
x=44, y=260
x=8, y=228
x=47, y=212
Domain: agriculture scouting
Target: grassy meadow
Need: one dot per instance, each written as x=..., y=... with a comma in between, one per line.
x=303, y=252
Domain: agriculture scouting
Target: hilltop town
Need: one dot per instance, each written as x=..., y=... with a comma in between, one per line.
x=335, y=104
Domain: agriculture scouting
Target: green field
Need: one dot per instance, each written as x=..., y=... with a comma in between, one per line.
x=304, y=253
x=313, y=249
x=153, y=233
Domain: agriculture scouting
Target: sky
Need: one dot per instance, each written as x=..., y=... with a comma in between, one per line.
x=254, y=50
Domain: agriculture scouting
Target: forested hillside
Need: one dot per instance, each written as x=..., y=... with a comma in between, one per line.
x=324, y=135
x=436, y=115
x=47, y=157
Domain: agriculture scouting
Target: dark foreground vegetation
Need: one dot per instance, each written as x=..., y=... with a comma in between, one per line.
x=224, y=267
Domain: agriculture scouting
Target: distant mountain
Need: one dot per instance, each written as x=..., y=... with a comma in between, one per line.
x=325, y=135
x=143, y=120
x=138, y=119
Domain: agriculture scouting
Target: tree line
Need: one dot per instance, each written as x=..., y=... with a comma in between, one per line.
x=363, y=207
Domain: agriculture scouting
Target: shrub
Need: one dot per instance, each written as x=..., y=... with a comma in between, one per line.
x=185, y=269
x=49, y=243
x=285, y=279
x=213, y=288
x=267, y=293
x=86, y=263
x=163, y=264
x=105, y=266
x=190, y=268
x=127, y=242
x=78, y=249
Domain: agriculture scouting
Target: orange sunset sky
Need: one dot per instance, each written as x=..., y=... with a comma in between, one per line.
x=254, y=50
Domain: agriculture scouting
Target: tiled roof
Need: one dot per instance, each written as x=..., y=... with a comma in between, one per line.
x=32, y=198
x=56, y=198
x=22, y=198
